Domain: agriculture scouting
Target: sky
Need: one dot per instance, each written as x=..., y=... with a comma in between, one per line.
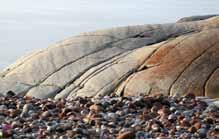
x=27, y=25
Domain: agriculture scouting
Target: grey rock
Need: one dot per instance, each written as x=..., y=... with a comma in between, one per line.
x=3, y=107
x=26, y=109
x=202, y=133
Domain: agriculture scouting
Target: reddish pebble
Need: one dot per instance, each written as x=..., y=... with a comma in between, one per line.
x=197, y=125
x=192, y=129
x=126, y=135
x=96, y=108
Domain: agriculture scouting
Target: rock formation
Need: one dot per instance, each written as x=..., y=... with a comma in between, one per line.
x=173, y=59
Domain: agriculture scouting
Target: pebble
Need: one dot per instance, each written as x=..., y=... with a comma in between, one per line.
x=173, y=109
x=192, y=129
x=202, y=133
x=45, y=115
x=112, y=116
x=126, y=135
x=142, y=135
x=3, y=107
x=143, y=117
x=172, y=117
x=197, y=125
x=155, y=127
x=26, y=109
x=96, y=108
x=217, y=128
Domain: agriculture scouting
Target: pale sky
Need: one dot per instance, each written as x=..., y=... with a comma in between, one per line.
x=26, y=25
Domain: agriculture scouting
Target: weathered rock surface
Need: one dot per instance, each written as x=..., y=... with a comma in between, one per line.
x=173, y=59
x=196, y=18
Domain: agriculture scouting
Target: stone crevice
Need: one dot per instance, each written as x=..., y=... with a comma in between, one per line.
x=117, y=57
x=188, y=65
x=116, y=82
x=4, y=74
x=208, y=78
x=42, y=81
x=145, y=67
x=26, y=58
x=186, y=36
x=118, y=62
x=102, y=68
x=106, y=46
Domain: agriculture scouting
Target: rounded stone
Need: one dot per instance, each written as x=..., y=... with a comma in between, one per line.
x=96, y=108
x=202, y=133
x=126, y=135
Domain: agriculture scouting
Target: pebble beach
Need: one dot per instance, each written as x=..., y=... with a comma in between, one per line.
x=110, y=117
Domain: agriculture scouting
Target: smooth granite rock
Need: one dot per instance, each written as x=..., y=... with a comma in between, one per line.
x=173, y=59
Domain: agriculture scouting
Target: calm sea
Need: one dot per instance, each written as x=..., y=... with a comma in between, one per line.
x=26, y=25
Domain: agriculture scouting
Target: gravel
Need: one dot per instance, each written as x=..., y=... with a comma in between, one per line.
x=143, y=117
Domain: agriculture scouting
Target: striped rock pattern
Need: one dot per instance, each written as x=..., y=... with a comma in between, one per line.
x=173, y=59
